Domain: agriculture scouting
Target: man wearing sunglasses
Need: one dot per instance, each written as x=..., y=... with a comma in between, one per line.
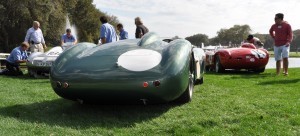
x=282, y=34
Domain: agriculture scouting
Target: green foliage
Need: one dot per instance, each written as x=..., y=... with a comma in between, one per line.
x=13, y=18
x=198, y=39
x=232, y=103
x=86, y=17
x=234, y=35
x=295, y=45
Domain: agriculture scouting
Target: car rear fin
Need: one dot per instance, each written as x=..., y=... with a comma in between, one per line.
x=148, y=39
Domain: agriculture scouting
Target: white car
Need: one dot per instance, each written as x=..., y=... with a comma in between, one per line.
x=39, y=63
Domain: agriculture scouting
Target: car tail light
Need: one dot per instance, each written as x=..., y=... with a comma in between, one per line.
x=145, y=84
x=156, y=83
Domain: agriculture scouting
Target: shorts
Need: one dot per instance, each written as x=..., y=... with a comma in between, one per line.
x=281, y=52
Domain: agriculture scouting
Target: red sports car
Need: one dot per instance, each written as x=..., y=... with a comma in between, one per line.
x=245, y=57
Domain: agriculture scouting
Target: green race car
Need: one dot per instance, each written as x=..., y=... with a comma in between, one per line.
x=147, y=70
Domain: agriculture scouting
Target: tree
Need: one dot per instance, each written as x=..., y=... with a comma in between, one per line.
x=234, y=35
x=296, y=41
x=86, y=18
x=198, y=39
x=13, y=18
x=16, y=16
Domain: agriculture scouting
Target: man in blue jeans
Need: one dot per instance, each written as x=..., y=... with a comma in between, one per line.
x=18, y=55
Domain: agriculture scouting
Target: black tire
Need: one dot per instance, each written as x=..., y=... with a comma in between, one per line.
x=218, y=66
x=33, y=73
x=199, y=81
x=207, y=68
x=261, y=70
x=188, y=93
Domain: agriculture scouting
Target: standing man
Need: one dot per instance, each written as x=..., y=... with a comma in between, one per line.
x=140, y=28
x=68, y=37
x=107, y=31
x=18, y=55
x=282, y=34
x=123, y=33
x=35, y=37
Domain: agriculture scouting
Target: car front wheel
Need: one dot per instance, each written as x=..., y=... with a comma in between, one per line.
x=261, y=70
x=219, y=68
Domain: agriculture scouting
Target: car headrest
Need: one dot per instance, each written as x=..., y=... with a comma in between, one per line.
x=148, y=38
x=248, y=45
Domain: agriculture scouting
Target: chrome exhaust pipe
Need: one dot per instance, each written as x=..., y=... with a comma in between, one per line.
x=144, y=101
x=80, y=101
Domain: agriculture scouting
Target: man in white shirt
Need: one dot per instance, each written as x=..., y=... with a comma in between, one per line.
x=35, y=38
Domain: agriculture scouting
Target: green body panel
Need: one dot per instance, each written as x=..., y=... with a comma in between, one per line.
x=93, y=74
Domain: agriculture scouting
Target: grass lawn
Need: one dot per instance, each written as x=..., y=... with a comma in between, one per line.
x=233, y=103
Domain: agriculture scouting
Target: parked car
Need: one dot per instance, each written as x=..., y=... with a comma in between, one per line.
x=245, y=57
x=40, y=63
x=147, y=70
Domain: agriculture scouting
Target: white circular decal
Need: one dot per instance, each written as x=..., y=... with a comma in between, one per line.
x=258, y=53
x=139, y=60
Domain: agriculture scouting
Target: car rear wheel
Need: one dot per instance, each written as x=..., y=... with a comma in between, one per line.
x=188, y=93
x=219, y=68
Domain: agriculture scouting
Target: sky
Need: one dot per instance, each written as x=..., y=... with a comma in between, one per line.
x=183, y=18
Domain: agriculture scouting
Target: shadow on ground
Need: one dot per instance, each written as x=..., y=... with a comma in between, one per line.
x=66, y=113
x=236, y=74
x=26, y=77
x=233, y=74
x=282, y=81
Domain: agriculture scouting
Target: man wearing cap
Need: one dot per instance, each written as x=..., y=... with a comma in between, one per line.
x=282, y=34
x=68, y=38
x=255, y=41
x=35, y=38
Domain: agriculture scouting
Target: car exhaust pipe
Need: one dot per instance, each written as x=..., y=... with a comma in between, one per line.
x=80, y=101
x=58, y=84
x=144, y=101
